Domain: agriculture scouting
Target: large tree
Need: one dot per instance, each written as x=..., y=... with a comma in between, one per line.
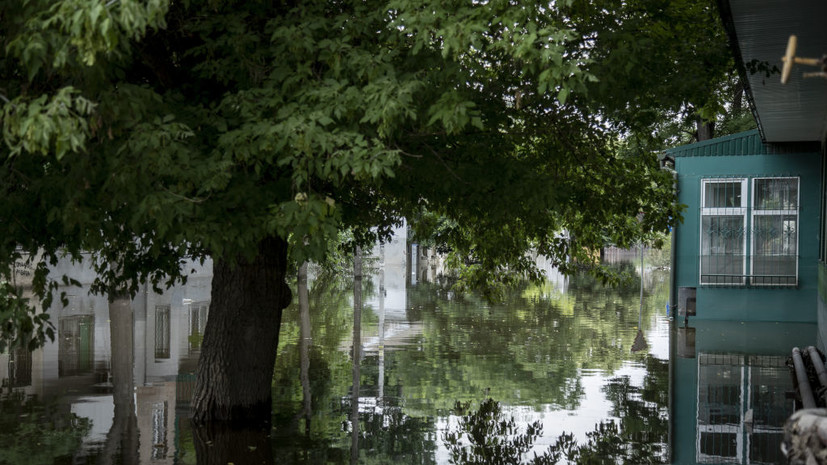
x=252, y=131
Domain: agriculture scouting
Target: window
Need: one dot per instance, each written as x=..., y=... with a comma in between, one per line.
x=723, y=231
x=732, y=387
x=775, y=231
x=162, y=333
x=765, y=224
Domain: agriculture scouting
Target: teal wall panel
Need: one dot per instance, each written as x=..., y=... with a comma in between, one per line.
x=745, y=156
x=749, y=341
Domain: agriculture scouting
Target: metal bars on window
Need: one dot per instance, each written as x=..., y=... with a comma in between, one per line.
x=723, y=231
x=766, y=226
x=775, y=231
x=742, y=406
x=162, y=331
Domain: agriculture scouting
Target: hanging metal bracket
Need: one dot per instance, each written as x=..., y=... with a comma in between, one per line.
x=790, y=59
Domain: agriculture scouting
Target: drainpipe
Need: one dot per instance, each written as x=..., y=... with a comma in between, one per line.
x=804, y=389
x=664, y=165
x=815, y=359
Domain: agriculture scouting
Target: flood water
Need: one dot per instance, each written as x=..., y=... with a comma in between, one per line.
x=389, y=374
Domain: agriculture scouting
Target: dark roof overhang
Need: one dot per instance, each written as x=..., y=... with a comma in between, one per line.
x=758, y=32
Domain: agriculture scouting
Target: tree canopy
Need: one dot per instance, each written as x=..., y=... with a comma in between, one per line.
x=149, y=131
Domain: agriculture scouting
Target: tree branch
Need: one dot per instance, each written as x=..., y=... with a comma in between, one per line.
x=446, y=165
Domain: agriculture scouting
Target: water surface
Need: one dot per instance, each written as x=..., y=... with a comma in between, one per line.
x=382, y=375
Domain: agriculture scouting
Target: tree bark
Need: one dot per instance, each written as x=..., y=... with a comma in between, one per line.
x=238, y=354
x=122, y=438
x=705, y=129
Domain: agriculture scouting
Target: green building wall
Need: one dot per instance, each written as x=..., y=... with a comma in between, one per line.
x=744, y=155
x=753, y=344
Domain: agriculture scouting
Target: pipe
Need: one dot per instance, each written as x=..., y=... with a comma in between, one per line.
x=673, y=285
x=804, y=389
x=815, y=359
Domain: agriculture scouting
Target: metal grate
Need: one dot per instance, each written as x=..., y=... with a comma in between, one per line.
x=742, y=406
x=162, y=332
x=749, y=242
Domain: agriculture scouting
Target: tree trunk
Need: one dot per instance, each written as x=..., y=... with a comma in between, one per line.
x=357, y=355
x=122, y=438
x=705, y=129
x=238, y=354
x=304, y=348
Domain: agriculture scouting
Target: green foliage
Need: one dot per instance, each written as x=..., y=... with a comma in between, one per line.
x=147, y=132
x=36, y=434
x=488, y=436
x=45, y=125
x=19, y=326
x=494, y=438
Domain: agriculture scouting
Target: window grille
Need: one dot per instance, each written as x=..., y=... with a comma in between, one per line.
x=162, y=331
x=20, y=367
x=775, y=231
x=766, y=226
x=198, y=312
x=742, y=407
x=723, y=231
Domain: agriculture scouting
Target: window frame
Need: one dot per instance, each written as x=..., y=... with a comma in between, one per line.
x=723, y=211
x=748, y=212
x=775, y=212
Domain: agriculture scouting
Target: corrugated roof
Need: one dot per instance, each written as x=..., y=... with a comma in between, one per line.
x=743, y=143
x=759, y=30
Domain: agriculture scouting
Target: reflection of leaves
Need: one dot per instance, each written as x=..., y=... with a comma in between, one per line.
x=195, y=339
x=486, y=436
x=31, y=433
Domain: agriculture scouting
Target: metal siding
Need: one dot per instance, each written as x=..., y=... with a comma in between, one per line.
x=748, y=303
x=744, y=143
x=796, y=111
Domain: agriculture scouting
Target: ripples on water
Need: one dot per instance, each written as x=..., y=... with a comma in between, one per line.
x=558, y=354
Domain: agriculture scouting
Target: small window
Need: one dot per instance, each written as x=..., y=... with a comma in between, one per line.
x=162, y=332
x=775, y=232
x=723, y=231
x=768, y=229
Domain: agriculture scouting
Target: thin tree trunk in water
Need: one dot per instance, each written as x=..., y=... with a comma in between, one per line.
x=304, y=347
x=357, y=355
x=238, y=354
x=122, y=438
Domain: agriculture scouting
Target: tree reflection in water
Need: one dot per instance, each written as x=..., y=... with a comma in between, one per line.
x=489, y=436
x=35, y=433
x=420, y=349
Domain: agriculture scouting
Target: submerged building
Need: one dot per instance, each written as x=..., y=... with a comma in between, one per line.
x=748, y=246
x=750, y=268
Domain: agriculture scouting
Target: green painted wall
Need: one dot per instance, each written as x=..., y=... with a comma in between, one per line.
x=743, y=155
x=720, y=337
x=822, y=306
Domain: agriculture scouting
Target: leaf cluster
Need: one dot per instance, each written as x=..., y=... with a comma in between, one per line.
x=148, y=132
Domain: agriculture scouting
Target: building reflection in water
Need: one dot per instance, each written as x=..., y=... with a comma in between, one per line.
x=732, y=390
x=80, y=367
x=729, y=390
